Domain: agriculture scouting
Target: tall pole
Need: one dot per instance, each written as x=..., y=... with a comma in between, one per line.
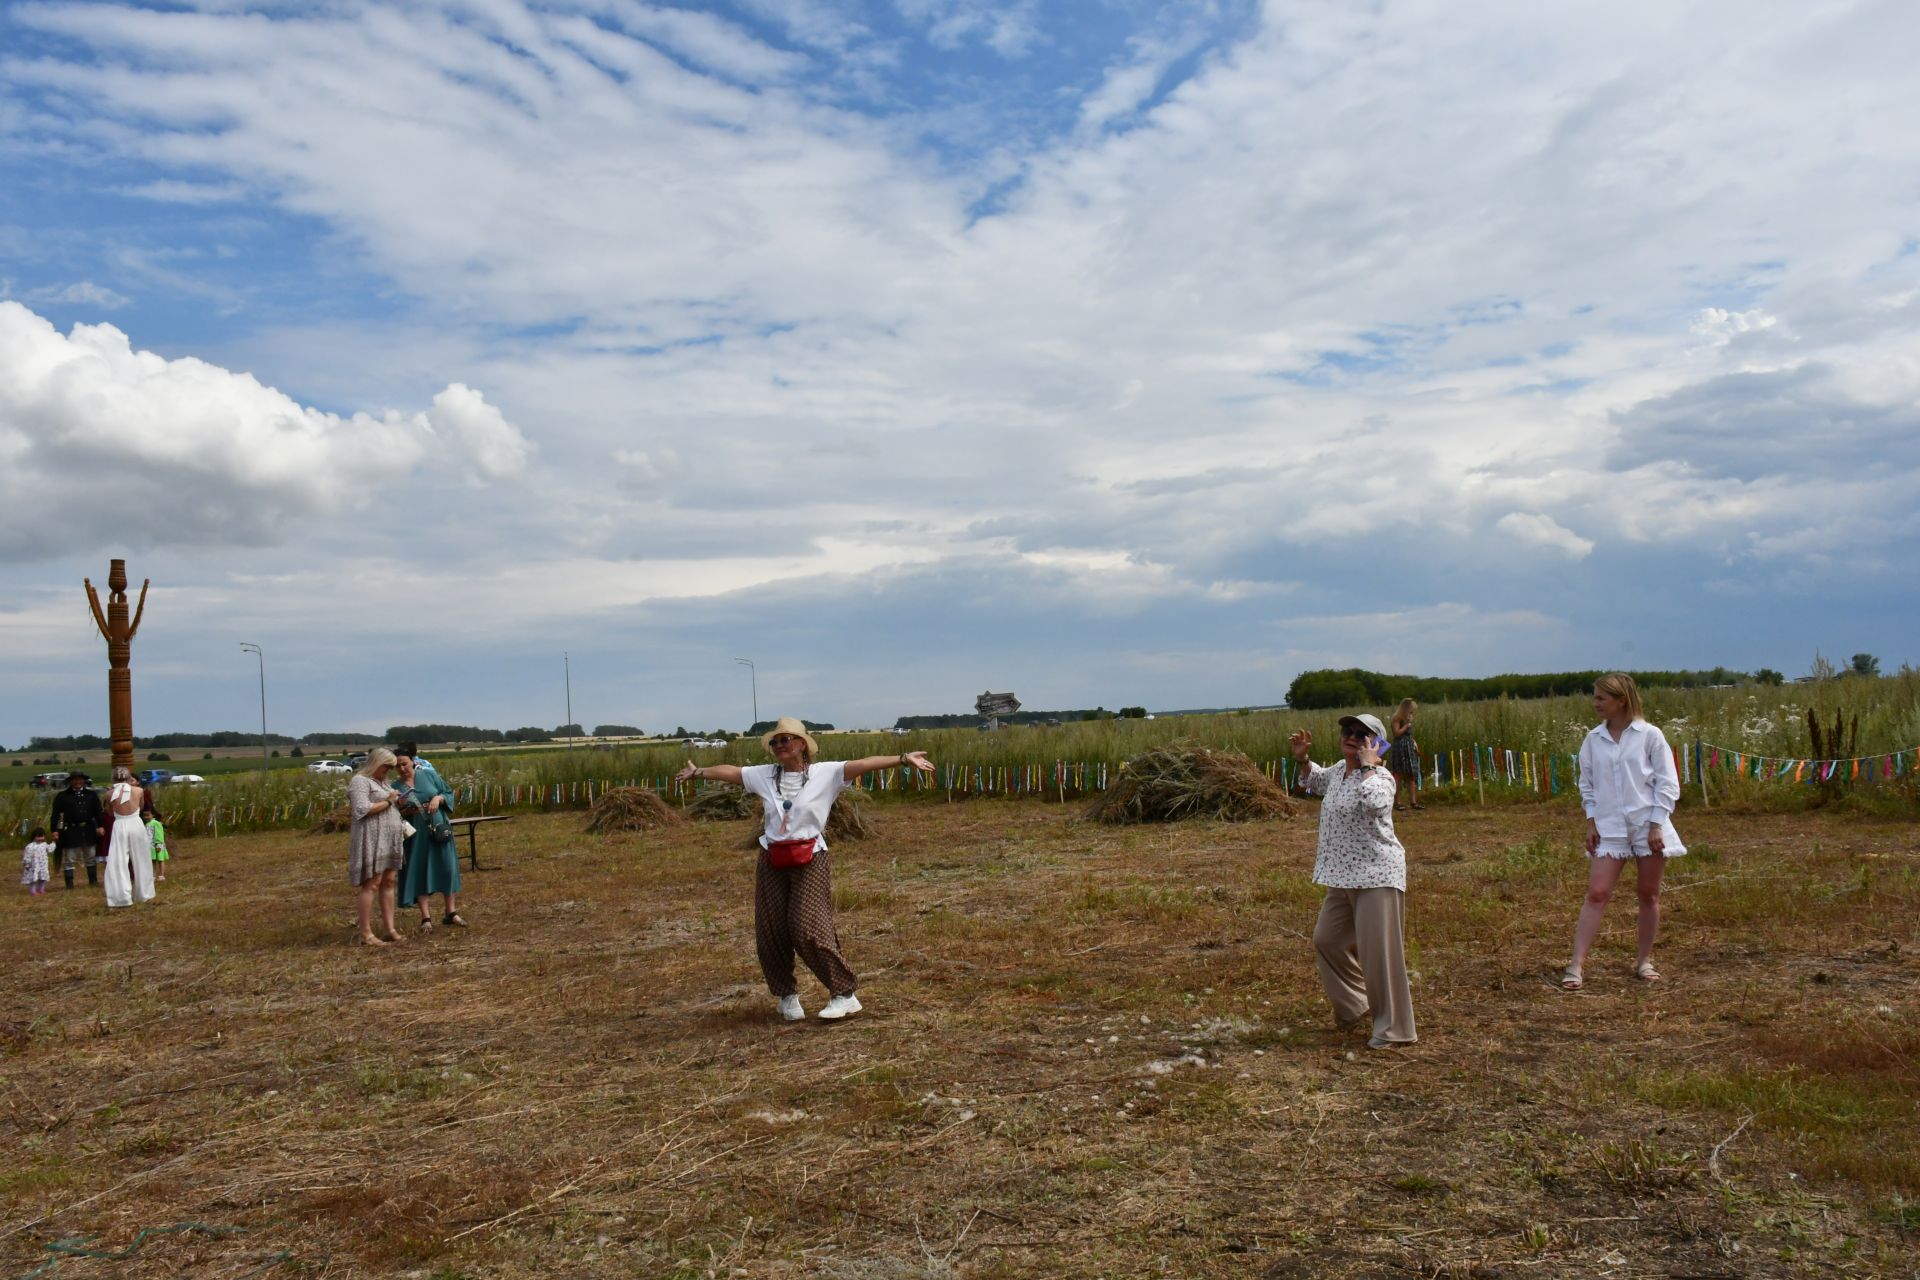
x=259, y=653
x=118, y=631
x=753, y=677
x=567, y=663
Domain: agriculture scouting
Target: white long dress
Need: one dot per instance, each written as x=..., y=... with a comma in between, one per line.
x=129, y=871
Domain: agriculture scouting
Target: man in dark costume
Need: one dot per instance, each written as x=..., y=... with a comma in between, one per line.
x=79, y=821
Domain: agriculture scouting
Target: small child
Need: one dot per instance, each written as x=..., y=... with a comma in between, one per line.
x=33, y=864
x=158, y=832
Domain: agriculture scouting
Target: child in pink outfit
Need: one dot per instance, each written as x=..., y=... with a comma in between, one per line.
x=33, y=864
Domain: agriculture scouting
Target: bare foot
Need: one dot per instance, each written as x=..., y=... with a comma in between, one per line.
x=395, y=937
x=368, y=940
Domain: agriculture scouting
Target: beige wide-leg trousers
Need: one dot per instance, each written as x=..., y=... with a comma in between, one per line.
x=1358, y=945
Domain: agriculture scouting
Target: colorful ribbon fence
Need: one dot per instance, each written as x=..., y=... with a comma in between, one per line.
x=1875, y=768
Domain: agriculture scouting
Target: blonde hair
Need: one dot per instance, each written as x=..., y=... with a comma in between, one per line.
x=1618, y=684
x=122, y=774
x=1408, y=707
x=375, y=758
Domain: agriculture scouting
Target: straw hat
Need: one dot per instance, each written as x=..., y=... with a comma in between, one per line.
x=787, y=724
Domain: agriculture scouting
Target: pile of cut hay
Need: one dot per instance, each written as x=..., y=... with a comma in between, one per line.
x=1185, y=780
x=849, y=819
x=333, y=822
x=630, y=809
x=724, y=804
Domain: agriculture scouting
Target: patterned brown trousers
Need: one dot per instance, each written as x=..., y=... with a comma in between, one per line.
x=793, y=911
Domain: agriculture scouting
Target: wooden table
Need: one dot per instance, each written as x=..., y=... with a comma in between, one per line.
x=472, y=825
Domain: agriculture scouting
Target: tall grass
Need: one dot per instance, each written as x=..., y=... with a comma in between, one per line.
x=1751, y=719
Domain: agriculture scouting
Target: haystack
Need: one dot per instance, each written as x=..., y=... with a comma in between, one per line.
x=1185, y=780
x=849, y=820
x=724, y=804
x=630, y=809
x=333, y=822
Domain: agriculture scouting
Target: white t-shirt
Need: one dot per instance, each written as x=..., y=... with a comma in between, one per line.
x=799, y=801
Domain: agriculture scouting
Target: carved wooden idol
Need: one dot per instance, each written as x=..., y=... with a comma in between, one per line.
x=119, y=632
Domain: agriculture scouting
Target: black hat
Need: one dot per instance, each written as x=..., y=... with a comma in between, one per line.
x=80, y=773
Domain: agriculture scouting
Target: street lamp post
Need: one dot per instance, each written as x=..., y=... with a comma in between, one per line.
x=567, y=662
x=259, y=653
x=753, y=676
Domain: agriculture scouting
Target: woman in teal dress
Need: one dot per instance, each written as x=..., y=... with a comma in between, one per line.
x=432, y=864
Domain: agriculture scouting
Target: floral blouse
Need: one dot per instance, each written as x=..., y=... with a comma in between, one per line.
x=1358, y=849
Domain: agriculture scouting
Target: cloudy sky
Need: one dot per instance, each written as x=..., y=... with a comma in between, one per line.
x=1106, y=351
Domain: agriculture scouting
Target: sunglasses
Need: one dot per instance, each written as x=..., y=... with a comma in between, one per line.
x=781, y=740
x=1355, y=731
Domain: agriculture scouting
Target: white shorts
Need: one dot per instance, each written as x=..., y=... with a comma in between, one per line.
x=1634, y=844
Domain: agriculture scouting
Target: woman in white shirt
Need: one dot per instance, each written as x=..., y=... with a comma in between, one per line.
x=792, y=886
x=1359, y=939
x=1629, y=787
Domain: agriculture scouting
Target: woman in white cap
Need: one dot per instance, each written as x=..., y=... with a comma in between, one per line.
x=1359, y=940
x=792, y=886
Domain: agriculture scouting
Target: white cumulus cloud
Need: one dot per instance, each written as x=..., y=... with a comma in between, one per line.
x=1545, y=531
x=101, y=443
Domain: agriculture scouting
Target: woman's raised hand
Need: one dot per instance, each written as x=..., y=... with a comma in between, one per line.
x=918, y=759
x=685, y=773
x=1300, y=742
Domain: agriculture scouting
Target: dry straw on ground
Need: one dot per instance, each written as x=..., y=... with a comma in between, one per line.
x=630, y=809
x=333, y=822
x=723, y=804
x=1183, y=780
x=1087, y=1052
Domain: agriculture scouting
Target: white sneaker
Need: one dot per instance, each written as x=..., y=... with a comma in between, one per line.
x=840, y=1007
x=790, y=1008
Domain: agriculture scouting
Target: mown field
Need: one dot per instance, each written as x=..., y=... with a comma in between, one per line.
x=1086, y=1052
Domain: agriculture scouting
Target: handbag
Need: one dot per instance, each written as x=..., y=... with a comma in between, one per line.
x=440, y=826
x=784, y=855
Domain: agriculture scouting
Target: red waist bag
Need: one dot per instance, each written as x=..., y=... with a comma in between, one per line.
x=784, y=855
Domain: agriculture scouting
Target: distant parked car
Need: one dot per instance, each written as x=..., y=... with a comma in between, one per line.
x=355, y=760
x=187, y=779
x=44, y=780
x=329, y=766
x=155, y=777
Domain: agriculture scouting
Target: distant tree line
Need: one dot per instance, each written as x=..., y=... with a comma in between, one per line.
x=398, y=733
x=969, y=719
x=472, y=733
x=1355, y=686
x=766, y=726
x=222, y=738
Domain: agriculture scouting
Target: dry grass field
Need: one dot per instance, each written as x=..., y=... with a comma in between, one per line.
x=1086, y=1052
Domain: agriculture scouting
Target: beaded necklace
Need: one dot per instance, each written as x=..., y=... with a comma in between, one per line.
x=786, y=801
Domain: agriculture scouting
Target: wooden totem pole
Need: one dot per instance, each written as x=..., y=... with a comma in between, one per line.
x=118, y=631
